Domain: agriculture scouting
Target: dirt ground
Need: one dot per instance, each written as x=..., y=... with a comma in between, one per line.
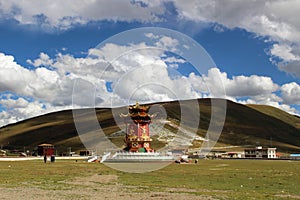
x=96, y=187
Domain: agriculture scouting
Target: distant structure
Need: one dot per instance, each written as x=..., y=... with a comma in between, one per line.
x=137, y=122
x=45, y=149
x=2, y=153
x=84, y=153
x=295, y=156
x=260, y=152
x=137, y=140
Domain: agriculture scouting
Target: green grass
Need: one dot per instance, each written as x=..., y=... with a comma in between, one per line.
x=231, y=178
x=20, y=173
x=222, y=179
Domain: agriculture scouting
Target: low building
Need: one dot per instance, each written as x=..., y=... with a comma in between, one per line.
x=295, y=156
x=84, y=153
x=45, y=149
x=2, y=152
x=234, y=155
x=260, y=152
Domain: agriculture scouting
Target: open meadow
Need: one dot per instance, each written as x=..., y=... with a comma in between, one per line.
x=209, y=179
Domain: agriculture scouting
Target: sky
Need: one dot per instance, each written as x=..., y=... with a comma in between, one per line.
x=57, y=55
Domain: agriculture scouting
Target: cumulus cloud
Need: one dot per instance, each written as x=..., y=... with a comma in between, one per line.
x=138, y=75
x=287, y=57
x=43, y=60
x=292, y=67
x=239, y=86
x=41, y=83
x=284, y=52
x=248, y=89
x=139, y=71
x=272, y=18
x=253, y=85
x=14, y=77
x=49, y=86
x=20, y=108
x=291, y=93
x=278, y=20
x=63, y=15
x=26, y=93
x=134, y=72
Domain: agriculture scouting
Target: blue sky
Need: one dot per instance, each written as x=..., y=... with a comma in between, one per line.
x=46, y=46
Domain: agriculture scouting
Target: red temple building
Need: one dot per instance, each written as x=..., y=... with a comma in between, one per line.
x=137, y=122
x=45, y=149
x=137, y=140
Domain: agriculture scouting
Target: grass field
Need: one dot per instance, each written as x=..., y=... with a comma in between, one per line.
x=209, y=179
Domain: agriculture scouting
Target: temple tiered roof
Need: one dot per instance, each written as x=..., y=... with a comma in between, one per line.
x=138, y=113
x=137, y=108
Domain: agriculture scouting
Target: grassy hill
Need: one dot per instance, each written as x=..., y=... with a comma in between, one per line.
x=244, y=125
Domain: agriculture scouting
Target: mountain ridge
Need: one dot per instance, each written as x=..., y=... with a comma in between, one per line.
x=245, y=125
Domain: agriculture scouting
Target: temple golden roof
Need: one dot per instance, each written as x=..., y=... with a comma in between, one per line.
x=137, y=108
x=138, y=113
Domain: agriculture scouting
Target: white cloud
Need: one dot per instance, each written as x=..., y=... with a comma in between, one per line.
x=292, y=67
x=289, y=58
x=13, y=77
x=291, y=93
x=166, y=42
x=14, y=103
x=40, y=83
x=141, y=74
x=277, y=19
x=63, y=15
x=7, y=118
x=19, y=108
x=253, y=89
x=238, y=86
x=284, y=52
x=43, y=60
x=273, y=18
x=249, y=86
x=136, y=72
x=271, y=101
x=139, y=70
x=49, y=85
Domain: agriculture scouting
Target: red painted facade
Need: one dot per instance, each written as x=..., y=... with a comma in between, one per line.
x=45, y=149
x=137, y=121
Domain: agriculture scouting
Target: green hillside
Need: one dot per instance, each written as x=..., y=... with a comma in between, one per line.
x=245, y=125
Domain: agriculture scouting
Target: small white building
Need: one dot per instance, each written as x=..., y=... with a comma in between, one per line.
x=260, y=152
x=272, y=153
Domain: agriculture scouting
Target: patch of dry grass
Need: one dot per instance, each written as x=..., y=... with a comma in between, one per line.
x=209, y=179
